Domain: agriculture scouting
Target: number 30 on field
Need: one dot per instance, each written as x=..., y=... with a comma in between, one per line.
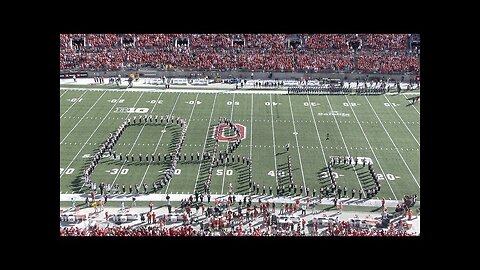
x=115, y=171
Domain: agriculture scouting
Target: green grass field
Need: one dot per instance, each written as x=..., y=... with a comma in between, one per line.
x=383, y=128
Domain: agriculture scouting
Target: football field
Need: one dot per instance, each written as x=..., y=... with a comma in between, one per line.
x=384, y=129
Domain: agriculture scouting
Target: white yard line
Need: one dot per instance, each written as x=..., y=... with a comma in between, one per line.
x=375, y=156
x=225, y=166
x=316, y=128
x=86, y=115
x=156, y=147
x=402, y=120
x=408, y=168
x=64, y=92
x=413, y=105
x=251, y=128
x=188, y=124
x=205, y=143
x=273, y=137
x=91, y=135
x=346, y=148
x=296, y=139
x=76, y=101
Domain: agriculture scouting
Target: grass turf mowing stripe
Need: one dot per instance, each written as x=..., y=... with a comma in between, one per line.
x=296, y=140
x=396, y=148
x=346, y=148
x=105, y=117
x=84, y=116
x=393, y=107
x=188, y=123
x=205, y=143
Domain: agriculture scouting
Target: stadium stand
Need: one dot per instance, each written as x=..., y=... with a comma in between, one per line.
x=386, y=53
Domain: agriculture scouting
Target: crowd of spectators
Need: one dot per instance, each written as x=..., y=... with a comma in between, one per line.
x=386, y=53
x=344, y=228
x=381, y=42
x=341, y=228
x=225, y=219
x=387, y=62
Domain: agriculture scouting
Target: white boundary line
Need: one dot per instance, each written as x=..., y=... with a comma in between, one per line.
x=86, y=115
x=415, y=179
x=296, y=139
x=273, y=137
x=188, y=124
x=205, y=142
x=346, y=148
x=375, y=156
x=225, y=166
x=76, y=101
x=402, y=120
x=91, y=135
x=412, y=105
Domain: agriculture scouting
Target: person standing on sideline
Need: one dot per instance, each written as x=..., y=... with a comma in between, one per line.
x=328, y=135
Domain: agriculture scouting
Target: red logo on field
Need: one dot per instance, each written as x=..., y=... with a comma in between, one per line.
x=220, y=130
